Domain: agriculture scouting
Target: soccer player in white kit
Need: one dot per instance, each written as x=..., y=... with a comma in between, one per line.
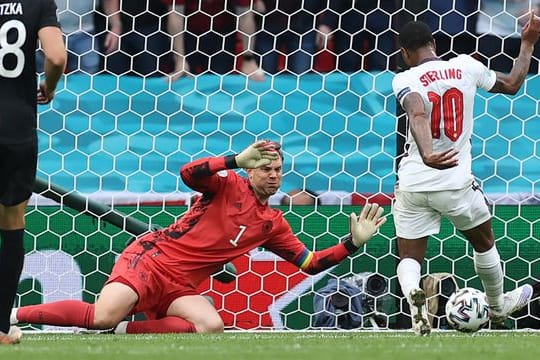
x=434, y=176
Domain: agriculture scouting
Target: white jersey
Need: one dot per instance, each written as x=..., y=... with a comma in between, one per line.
x=448, y=89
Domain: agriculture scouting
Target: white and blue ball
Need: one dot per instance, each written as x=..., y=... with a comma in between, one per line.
x=467, y=310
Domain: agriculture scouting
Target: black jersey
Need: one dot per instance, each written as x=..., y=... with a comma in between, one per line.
x=20, y=21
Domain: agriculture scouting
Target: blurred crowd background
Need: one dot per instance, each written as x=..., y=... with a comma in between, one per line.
x=266, y=37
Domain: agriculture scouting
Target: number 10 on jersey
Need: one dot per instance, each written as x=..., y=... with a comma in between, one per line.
x=449, y=107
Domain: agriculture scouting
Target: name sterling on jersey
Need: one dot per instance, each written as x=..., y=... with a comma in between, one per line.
x=444, y=74
x=11, y=9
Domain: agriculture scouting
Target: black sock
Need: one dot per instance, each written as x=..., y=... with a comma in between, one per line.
x=11, y=264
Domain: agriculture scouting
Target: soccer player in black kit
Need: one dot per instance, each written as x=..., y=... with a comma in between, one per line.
x=22, y=24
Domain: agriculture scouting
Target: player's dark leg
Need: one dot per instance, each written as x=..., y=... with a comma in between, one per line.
x=415, y=221
x=411, y=254
x=18, y=168
x=11, y=258
x=471, y=216
x=11, y=264
x=487, y=264
x=481, y=237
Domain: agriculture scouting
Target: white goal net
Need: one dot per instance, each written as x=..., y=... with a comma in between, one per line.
x=154, y=84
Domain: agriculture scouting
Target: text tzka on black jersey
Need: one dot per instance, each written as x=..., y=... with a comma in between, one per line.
x=20, y=21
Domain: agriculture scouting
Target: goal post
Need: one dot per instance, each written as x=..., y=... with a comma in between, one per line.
x=105, y=213
x=91, y=208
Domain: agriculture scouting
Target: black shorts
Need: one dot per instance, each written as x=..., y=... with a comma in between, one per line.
x=18, y=164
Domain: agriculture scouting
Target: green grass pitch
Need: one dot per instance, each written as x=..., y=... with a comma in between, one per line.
x=279, y=345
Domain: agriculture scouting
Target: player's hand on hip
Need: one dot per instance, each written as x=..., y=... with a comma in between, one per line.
x=531, y=30
x=44, y=96
x=442, y=160
x=258, y=154
x=364, y=226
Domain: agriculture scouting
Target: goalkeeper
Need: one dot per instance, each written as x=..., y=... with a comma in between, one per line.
x=159, y=272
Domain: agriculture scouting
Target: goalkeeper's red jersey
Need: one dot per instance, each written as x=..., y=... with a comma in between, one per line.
x=226, y=222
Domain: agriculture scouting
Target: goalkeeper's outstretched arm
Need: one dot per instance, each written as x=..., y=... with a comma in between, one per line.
x=363, y=227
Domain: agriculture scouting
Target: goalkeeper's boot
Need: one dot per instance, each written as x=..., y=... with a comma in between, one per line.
x=512, y=301
x=12, y=337
x=419, y=314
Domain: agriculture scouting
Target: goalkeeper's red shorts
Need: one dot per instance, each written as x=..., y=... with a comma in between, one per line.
x=156, y=290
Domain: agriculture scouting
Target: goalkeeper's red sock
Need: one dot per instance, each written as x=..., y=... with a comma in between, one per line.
x=59, y=313
x=168, y=324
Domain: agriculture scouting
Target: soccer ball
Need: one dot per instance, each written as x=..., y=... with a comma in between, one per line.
x=467, y=310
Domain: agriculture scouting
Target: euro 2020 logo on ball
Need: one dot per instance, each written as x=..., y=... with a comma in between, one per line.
x=467, y=310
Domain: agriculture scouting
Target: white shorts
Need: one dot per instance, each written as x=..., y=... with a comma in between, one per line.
x=418, y=214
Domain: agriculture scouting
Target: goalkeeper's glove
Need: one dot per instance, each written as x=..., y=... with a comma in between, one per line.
x=258, y=154
x=366, y=224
